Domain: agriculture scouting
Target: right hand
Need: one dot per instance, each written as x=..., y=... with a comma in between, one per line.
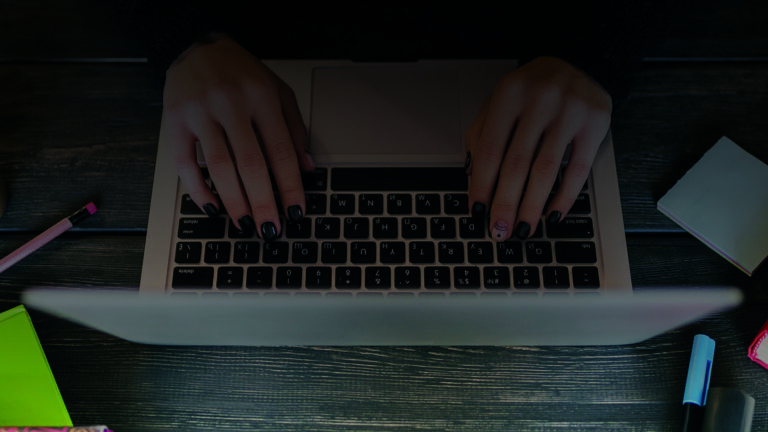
x=246, y=120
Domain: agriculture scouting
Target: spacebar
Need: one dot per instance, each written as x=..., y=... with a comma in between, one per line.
x=399, y=179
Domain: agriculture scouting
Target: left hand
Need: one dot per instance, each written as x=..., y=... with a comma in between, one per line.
x=522, y=133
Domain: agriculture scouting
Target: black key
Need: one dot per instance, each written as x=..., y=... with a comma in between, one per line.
x=319, y=277
x=480, y=252
x=585, y=277
x=496, y=277
x=556, y=277
x=229, y=278
x=202, y=228
x=539, y=233
x=456, y=204
x=304, y=252
x=288, y=277
x=575, y=252
x=327, y=227
x=334, y=253
x=414, y=227
x=385, y=228
x=315, y=180
x=348, y=277
x=370, y=204
x=571, y=227
x=450, y=252
x=217, y=252
x=437, y=277
x=413, y=179
x=442, y=227
x=466, y=277
x=538, y=252
x=246, y=252
x=316, y=203
x=235, y=233
x=342, y=204
x=192, y=277
x=407, y=277
x=392, y=252
x=581, y=205
x=275, y=252
x=471, y=228
x=188, y=207
x=399, y=204
x=356, y=227
x=299, y=230
x=526, y=277
x=362, y=252
x=427, y=204
x=258, y=277
x=378, y=278
x=510, y=252
x=188, y=252
x=421, y=252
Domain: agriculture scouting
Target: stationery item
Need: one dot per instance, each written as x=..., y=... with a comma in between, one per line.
x=48, y=235
x=728, y=410
x=758, y=350
x=28, y=392
x=697, y=383
x=723, y=201
x=56, y=429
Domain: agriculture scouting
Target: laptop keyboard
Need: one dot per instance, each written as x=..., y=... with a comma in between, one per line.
x=356, y=238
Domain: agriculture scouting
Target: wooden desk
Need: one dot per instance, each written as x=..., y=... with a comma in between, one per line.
x=75, y=127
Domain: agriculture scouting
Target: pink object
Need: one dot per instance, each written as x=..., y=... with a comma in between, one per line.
x=48, y=235
x=758, y=351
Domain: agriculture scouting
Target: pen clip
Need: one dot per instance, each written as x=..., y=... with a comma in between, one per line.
x=699, y=370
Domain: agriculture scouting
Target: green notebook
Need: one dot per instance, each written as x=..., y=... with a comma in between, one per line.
x=28, y=393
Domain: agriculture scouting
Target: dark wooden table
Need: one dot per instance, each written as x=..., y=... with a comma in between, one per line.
x=79, y=118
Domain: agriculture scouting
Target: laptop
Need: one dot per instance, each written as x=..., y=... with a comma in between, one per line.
x=387, y=253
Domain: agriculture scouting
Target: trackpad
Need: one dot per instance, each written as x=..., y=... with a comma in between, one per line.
x=386, y=114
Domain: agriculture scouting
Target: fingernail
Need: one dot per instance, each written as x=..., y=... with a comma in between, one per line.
x=554, y=217
x=478, y=209
x=499, y=230
x=523, y=230
x=294, y=213
x=247, y=224
x=268, y=231
x=467, y=161
x=210, y=210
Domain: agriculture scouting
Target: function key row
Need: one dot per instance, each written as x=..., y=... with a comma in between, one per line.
x=384, y=278
x=386, y=252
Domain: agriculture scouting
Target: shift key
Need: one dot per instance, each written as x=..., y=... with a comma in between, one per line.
x=202, y=228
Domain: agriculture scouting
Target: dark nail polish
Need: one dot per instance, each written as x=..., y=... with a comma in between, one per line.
x=554, y=217
x=478, y=209
x=210, y=210
x=268, y=231
x=247, y=224
x=467, y=161
x=294, y=213
x=523, y=230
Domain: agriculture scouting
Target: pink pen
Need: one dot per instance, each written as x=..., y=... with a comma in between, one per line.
x=49, y=234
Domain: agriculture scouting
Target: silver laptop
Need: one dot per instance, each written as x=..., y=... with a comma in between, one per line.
x=387, y=211
x=290, y=319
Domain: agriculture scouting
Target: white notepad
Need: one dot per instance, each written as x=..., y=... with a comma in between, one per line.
x=723, y=201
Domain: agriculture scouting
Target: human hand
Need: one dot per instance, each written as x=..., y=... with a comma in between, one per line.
x=246, y=119
x=522, y=133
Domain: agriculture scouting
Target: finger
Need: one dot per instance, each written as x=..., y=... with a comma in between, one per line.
x=296, y=127
x=585, y=145
x=173, y=132
x=223, y=173
x=488, y=151
x=547, y=164
x=281, y=155
x=514, y=172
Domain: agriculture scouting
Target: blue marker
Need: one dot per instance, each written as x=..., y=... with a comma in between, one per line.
x=697, y=384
